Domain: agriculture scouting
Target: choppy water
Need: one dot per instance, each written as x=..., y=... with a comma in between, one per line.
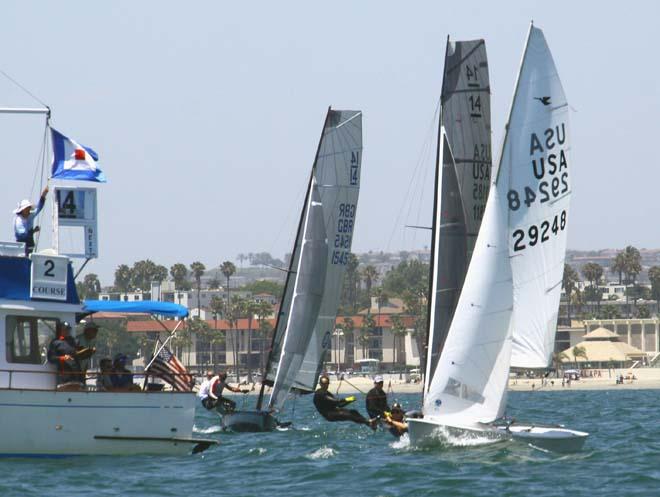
x=622, y=457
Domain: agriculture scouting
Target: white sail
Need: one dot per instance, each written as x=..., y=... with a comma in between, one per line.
x=462, y=182
x=337, y=173
x=537, y=153
x=306, y=299
x=469, y=382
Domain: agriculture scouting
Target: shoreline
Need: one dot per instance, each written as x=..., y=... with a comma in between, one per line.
x=644, y=379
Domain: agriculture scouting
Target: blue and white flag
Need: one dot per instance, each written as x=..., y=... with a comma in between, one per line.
x=74, y=161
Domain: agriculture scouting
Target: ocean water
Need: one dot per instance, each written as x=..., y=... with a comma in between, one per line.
x=317, y=458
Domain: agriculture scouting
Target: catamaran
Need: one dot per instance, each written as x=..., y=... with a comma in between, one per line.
x=303, y=331
x=37, y=294
x=511, y=288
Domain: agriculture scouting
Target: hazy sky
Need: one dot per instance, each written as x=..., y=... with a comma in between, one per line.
x=206, y=115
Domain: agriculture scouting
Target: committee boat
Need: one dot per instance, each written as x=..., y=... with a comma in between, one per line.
x=511, y=288
x=37, y=294
x=303, y=332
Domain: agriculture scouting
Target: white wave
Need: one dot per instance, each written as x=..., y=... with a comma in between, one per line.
x=456, y=437
x=260, y=451
x=210, y=429
x=322, y=453
x=403, y=443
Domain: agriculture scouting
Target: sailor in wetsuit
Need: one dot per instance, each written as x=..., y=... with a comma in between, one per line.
x=62, y=352
x=395, y=420
x=332, y=409
x=377, y=399
x=216, y=388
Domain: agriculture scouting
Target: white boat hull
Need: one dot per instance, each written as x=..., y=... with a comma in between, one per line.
x=424, y=432
x=37, y=422
x=552, y=438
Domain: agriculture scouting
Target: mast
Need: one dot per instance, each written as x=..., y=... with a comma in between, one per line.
x=290, y=270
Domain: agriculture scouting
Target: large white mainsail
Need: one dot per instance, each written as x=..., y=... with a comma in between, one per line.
x=462, y=182
x=338, y=167
x=306, y=299
x=469, y=382
x=537, y=152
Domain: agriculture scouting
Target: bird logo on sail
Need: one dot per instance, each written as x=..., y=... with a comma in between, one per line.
x=543, y=100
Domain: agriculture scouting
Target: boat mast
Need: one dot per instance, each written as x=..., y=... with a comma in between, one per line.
x=290, y=271
x=434, y=227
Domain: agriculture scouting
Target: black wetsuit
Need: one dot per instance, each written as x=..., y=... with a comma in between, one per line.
x=376, y=402
x=332, y=409
x=68, y=370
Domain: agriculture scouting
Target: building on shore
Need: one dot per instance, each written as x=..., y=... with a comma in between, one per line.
x=603, y=349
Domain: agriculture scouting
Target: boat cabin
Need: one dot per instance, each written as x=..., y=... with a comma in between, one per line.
x=29, y=313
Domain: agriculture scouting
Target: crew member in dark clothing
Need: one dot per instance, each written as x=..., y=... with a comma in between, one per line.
x=395, y=419
x=62, y=351
x=377, y=399
x=332, y=409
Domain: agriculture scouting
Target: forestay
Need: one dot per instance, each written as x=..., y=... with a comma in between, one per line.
x=462, y=182
x=536, y=152
x=310, y=273
x=337, y=172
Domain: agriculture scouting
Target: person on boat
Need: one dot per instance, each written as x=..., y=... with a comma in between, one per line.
x=377, y=399
x=104, y=380
x=395, y=420
x=24, y=228
x=121, y=377
x=86, y=345
x=204, y=390
x=62, y=352
x=332, y=409
x=217, y=387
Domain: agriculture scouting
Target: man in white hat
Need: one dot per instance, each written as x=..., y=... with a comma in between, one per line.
x=23, y=223
x=377, y=399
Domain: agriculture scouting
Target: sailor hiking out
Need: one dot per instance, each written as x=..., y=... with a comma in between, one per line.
x=332, y=409
x=217, y=386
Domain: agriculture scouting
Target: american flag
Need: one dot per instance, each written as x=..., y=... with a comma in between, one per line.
x=167, y=367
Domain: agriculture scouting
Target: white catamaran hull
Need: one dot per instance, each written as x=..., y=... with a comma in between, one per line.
x=249, y=421
x=54, y=423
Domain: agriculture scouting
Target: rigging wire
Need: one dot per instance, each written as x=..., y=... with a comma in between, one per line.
x=413, y=180
x=23, y=88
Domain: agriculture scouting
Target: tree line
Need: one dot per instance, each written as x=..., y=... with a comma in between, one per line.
x=588, y=302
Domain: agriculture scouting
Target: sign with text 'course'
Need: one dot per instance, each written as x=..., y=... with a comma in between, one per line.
x=48, y=277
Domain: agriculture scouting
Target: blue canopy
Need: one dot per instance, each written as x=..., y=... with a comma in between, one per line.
x=149, y=306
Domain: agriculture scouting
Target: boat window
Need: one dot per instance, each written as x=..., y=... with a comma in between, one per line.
x=28, y=338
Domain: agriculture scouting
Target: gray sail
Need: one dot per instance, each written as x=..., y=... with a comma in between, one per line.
x=462, y=183
x=450, y=258
x=306, y=298
x=337, y=173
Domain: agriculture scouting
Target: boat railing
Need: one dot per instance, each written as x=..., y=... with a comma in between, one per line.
x=10, y=380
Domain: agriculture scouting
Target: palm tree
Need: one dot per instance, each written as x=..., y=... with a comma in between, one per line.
x=557, y=359
x=593, y=272
x=179, y=273
x=569, y=281
x=398, y=332
x=228, y=269
x=370, y=275
x=241, y=258
x=368, y=327
x=654, y=277
x=235, y=311
x=251, y=308
x=348, y=327
x=197, y=269
x=579, y=352
x=632, y=267
x=123, y=277
x=619, y=266
x=263, y=309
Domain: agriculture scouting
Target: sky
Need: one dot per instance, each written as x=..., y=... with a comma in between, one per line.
x=206, y=115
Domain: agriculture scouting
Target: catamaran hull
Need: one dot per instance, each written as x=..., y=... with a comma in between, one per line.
x=552, y=438
x=51, y=423
x=424, y=432
x=249, y=421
